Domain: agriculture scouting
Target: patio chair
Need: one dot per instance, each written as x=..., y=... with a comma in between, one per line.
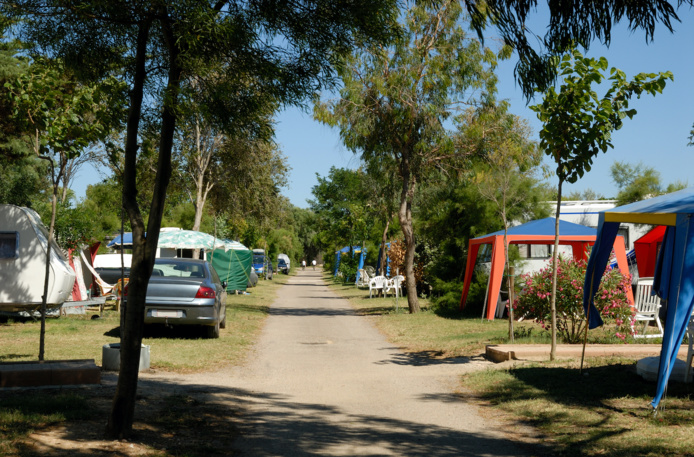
x=647, y=307
x=363, y=281
x=690, y=348
x=395, y=283
x=377, y=283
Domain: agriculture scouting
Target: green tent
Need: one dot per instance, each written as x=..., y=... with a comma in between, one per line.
x=232, y=265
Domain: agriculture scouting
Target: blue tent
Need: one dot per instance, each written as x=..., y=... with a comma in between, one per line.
x=378, y=262
x=355, y=250
x=674, y=271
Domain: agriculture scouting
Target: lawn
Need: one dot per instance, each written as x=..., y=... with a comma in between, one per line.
x=603, y=412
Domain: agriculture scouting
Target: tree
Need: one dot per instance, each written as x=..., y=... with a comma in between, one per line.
x=339, y=202
x=509, y=170
x=577, y=124
x=639, y=182
x=571, y=24
x=61, y=118
x=396, y=102
x=286, y=49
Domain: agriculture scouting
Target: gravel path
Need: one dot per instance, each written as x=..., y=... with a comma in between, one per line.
x=322, y=381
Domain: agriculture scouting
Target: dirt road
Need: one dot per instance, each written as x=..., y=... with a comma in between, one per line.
x=322, y=381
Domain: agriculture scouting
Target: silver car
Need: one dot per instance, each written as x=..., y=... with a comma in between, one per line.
x=186, y=292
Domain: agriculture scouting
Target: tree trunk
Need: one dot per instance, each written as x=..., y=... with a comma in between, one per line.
x=199, y=182
x=405, y=217
x=44, y=298
x=555, y=256
x=508, y=280
x=384, y=256
x=120, y=420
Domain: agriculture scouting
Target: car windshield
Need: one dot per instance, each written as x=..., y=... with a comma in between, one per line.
x=178, y=270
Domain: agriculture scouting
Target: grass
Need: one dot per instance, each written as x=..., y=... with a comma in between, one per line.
x=21, y=414
x=603, y=412
x=179, y=349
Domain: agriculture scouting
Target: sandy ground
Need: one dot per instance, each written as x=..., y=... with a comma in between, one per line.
x=322, y=381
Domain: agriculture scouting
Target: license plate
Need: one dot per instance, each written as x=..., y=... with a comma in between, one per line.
x=166, y=313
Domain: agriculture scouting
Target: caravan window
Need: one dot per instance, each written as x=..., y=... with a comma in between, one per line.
x=535, y=251
x=9, y=245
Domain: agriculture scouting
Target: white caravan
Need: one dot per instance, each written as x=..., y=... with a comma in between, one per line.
x=23, y=245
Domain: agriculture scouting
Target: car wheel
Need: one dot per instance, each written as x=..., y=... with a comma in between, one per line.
x=213, y=331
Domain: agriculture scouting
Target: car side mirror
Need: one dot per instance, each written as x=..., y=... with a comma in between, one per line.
x=224, y=285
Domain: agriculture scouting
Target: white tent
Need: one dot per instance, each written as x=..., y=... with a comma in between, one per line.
x=23, y=245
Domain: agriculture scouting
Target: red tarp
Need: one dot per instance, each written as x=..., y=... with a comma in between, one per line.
x=646, y=251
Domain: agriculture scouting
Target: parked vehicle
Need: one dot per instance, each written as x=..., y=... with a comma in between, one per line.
x=283, y=263
x=186, y=292
x=259, y=261
x=108, y=266
x=23, y=245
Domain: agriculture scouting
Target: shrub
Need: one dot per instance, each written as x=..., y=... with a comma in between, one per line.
x=446, y=301
x=611, y=300
x=348, y=267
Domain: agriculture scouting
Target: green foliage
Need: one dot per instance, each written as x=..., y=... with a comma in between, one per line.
x=611, y=299
x=397, y=105
x=577, y=124
x=446, y=298
x=348, y=266
x=570, y=24
x=639, y=182
x=23, y=180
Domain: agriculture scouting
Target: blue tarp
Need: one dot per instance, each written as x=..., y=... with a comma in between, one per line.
x=127, y=240
x=674, y=272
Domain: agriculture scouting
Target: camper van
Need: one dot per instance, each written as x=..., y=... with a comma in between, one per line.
x=587, y=212
x=23, y=245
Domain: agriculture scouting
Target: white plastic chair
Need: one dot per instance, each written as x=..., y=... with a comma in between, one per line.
x=647, y=307
x=395, y=283
x=377, y=283
x=364, y=278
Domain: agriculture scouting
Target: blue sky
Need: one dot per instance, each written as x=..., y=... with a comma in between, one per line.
x=656, y=137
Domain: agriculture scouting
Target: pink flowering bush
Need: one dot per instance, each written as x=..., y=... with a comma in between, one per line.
x=611, y=300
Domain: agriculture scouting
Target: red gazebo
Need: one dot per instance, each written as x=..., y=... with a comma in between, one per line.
x=579, y=237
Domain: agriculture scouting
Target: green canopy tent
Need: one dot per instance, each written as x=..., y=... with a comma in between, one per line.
x=232, y=264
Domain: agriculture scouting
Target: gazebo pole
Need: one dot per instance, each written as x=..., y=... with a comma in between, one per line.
x=585, y=338
x=486, y=295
